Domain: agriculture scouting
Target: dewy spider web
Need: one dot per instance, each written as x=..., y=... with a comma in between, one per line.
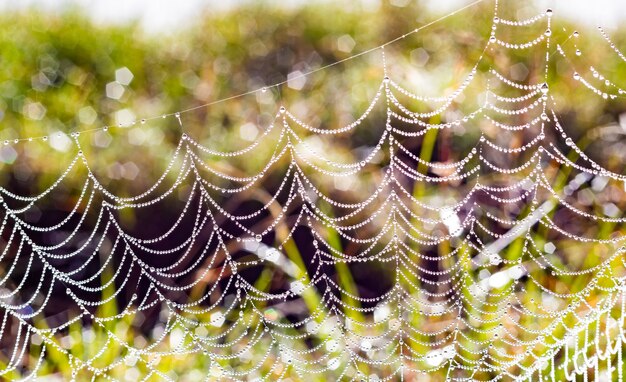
x=458, y=303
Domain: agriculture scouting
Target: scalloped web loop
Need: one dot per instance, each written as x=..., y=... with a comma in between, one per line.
x=254, y=283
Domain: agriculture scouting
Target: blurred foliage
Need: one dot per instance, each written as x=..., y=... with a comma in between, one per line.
x=56, y=70
x=63, y=73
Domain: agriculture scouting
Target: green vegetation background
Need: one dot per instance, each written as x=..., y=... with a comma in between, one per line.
x=55, y=69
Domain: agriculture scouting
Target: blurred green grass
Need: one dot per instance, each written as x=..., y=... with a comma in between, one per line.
x=55, y=71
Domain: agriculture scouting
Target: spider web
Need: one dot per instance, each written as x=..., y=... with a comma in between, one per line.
x=260, y=292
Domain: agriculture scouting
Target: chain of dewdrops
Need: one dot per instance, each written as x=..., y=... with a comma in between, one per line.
x=480, y=333
x=263, y=89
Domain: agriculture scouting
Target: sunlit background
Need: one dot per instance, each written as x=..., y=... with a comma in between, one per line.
x=75, y=66
x=163, y=16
